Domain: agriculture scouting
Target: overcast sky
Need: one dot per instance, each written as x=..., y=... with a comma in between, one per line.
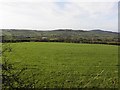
x=56, y=14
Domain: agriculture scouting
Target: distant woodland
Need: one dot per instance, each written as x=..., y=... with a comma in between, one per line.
x=61, y=35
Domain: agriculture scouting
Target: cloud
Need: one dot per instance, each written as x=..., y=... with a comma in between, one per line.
x=53, y=15
x=59, y=0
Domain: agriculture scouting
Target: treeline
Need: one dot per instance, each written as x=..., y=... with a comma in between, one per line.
x=62, y=40
x=69, y=36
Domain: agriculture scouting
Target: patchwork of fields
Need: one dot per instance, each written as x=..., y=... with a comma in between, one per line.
x=65, y=65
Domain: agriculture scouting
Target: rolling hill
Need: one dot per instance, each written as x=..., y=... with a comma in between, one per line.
x=60, y=35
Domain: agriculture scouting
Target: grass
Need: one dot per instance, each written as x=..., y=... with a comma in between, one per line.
x=66, y=65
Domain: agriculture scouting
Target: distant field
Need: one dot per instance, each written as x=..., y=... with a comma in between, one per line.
x=67, y=64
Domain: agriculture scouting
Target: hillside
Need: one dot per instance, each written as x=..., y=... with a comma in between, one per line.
x=60, y=35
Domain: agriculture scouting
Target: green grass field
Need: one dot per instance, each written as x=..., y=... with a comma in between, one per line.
x=65, y=65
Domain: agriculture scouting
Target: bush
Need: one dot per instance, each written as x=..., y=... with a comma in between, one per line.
x=11, y=76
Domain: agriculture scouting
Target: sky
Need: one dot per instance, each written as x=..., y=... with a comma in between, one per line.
x=59, y=14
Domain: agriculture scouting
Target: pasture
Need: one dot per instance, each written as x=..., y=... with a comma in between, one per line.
x=67, y=65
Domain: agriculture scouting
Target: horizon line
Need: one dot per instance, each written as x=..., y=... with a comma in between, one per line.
x=57, y=29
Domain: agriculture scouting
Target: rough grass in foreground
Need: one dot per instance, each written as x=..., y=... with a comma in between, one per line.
x=66, y=65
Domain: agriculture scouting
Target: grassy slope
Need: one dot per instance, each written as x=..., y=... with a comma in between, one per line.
x=69, y=65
